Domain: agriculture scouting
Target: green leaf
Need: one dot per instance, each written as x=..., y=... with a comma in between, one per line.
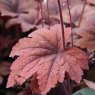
x=85, y=91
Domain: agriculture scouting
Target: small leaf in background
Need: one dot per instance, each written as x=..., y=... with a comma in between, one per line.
x=90, y=84
x=24, y=13
x=42, y=53
x=76, y=12
x=91, y=2
x=86, y=39
x=27, y=21
x=85, y=91
x=16, y=7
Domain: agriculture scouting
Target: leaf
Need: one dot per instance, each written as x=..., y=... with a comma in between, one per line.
x=91, y=2
x=88, y=43
x=76, y=12
x=15, y=7
x=89, y=21
x=32, y=20
x=42, y=53
x=77, y=9
x=84, y=36
x=27, y=21
x=24, y=13
x=90, y=84
x=85, y=91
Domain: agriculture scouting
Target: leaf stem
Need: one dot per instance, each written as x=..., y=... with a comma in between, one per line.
x=42, y=13
x=38, y=13
x=62, y=23
x=48, y=13
x=82, y=13
x=71, y=24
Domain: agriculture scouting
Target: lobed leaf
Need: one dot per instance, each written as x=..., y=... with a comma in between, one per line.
x=42, y=53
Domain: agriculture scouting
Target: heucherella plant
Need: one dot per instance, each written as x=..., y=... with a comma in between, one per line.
x=47, y=57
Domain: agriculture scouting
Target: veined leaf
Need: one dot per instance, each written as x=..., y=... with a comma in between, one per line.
x=42, y=53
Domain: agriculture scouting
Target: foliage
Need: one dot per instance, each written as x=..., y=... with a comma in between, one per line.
x=47, y=47
x=42, y=54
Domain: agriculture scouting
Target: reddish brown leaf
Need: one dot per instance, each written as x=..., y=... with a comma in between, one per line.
x=87, y=34
x=76, y=12
x=15, y=7
x=24, y=13
x=27, y=21
x=43, y=54
x=91, y=2
x=88, y=43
